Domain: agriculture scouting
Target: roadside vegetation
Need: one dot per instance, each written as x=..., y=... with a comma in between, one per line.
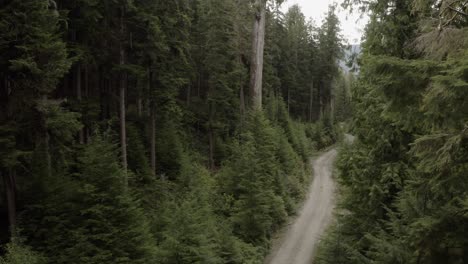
x=404, y=187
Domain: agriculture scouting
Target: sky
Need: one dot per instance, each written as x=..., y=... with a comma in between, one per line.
x=351, y=24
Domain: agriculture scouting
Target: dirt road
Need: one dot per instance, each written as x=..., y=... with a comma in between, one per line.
x=298, y=243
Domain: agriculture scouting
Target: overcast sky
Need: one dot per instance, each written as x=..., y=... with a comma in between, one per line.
x=351, y=25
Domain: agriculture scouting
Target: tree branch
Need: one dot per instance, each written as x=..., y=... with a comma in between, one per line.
x=456, y=10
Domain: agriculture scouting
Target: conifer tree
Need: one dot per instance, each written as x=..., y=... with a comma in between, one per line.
x=103, y=223
x=17, y=253
x=184, y=171
x=34, y=58
x=404, y=170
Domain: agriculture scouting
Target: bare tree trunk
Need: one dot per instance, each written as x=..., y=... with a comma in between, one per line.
x=153, y=140
x=139, y=105
x=311, y=101
x=237, y=29
x=258, y=43
x=198, y=97
x=123, y=132
x=86, y=81
x=9, y=176
x=199, y=86
x=320, y=92
x=86, y=94
x=332, y=107
x=78, y=82
x=139, y=101
x=152, y=117
x=211, y=137
x=211, y=143
x=9, y=182
x=79, y=97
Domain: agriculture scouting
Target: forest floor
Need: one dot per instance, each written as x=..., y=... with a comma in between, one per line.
x=297, y=243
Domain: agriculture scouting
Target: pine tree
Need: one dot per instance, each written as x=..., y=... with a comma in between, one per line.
x=104, y=224
x=185, y=172
x=331, y=50
x=17, y=253
x=405, y=170
x=34, y=58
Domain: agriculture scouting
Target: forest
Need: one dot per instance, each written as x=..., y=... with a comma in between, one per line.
x=182, y=131
x=404, y=181
x=158, y=131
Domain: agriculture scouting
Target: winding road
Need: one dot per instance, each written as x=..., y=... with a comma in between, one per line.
x=297, y=245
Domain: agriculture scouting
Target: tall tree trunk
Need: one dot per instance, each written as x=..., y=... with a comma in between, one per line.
x=258, y=44
x=311, y=100
x=122, y=83
x=8, y=176
x=153, y=140
x=320, y=92
x=139, y=104
x=332, y=106
x=86, y=94
x=79, y=97
x=102, y=95
x=9, y=182
x=211, y=136
x=78, y=82
x=211, y=145
x=240, y=64
x=123, y=132
x=152, y=117
x=86, y=81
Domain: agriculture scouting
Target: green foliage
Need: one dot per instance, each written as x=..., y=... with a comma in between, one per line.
x=263, y=181
x=342, y=94
x=189, y=234
x=189, y=228
x=256, y=211
x=8, y=153
x=137, y=155
x=224, y=179
x=18, y=253
x=32, y=47
x=61, y=123
x=404, y=179
x=94, y=220
x=170, y=152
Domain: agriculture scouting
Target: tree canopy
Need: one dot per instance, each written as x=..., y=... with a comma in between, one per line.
x=127, y=136
x=404, y=180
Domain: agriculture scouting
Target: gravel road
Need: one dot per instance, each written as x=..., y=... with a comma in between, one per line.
x=297, y=244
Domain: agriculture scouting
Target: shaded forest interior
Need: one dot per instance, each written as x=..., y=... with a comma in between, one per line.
x=159, y=131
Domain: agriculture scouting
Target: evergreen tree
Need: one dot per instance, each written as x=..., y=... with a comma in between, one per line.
x=17, y=253
x=331, y=50
x=95, y=221
x=404, y=170
x=185, y=171
x=34, y=58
